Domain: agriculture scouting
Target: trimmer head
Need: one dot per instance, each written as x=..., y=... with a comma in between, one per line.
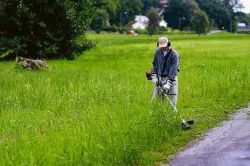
x=185, y=126
x=190, y=122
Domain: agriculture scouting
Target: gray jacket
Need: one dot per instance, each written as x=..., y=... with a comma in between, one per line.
x=172, y=64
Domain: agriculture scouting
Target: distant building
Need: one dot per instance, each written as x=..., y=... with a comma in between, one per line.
x=164, y=2
x=163, y=23
x=243, y=27
x=140, y=22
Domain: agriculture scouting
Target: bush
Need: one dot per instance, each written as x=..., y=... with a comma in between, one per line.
x=141, y=31
x=44, y=29
x=112, y=28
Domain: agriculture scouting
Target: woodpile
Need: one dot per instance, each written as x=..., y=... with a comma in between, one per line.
x=32, y=64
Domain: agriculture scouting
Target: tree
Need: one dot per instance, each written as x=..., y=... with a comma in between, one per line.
x=131, y=8
x=119, y=11
x=101, y=20
x=8, y=26
x=154, y=19
x=231, y=6
x=221, y=13
x=45, y=28
x=110, y=7
x=148, y=4
x=243, y=17
x=179, y=12
x=200, y=22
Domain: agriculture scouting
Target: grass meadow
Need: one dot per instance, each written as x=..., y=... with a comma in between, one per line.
x=97, y=110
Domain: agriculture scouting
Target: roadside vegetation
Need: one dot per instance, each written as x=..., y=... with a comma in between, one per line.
x=97, y=110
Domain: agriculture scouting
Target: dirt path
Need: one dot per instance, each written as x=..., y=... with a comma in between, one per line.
x=227, y=145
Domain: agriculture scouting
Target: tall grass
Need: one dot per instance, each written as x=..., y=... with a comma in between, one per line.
x=97, y=110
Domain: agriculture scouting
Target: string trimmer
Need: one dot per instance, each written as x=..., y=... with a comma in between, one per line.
x=185, y=123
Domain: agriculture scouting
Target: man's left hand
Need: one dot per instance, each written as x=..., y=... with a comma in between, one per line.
x=168, y=85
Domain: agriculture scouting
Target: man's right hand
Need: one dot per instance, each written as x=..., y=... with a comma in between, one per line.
x=154, y=79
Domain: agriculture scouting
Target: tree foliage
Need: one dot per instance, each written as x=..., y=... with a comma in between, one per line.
x=200, y=22
x=100, y=21
x=179, y=13
x=154, y=19
x=119, y=11
x=111, y=8
x=128, y=9
x=45, y=28
x=243, y=18
x=221, y=13
x=148, y=4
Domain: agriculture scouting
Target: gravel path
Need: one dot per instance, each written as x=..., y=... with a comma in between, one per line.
x=227, y=145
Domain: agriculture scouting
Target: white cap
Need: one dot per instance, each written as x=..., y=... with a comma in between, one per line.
x=163, y=42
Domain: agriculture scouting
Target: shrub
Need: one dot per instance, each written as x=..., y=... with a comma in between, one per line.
x=44, y=28
x=141, y=31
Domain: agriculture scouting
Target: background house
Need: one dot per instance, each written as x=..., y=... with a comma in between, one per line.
x=163, y=23
x=243, y=27
x=141, y=22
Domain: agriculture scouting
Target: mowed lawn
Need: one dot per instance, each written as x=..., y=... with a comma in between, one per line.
x=97, y=110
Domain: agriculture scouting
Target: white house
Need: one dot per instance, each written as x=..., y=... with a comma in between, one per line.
x=241, y=25
x=163, y=23
x=139, y=25
x=140, y=22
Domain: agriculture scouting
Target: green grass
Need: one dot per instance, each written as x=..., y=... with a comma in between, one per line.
x=97, y=110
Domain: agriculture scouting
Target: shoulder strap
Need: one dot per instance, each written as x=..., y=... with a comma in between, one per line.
x=165, y=61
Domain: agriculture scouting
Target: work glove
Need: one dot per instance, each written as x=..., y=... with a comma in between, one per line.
x=154, y=79
x=160, y=91
x=167, y=85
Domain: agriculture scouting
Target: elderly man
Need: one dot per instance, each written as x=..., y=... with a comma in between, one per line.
x=165, y=70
